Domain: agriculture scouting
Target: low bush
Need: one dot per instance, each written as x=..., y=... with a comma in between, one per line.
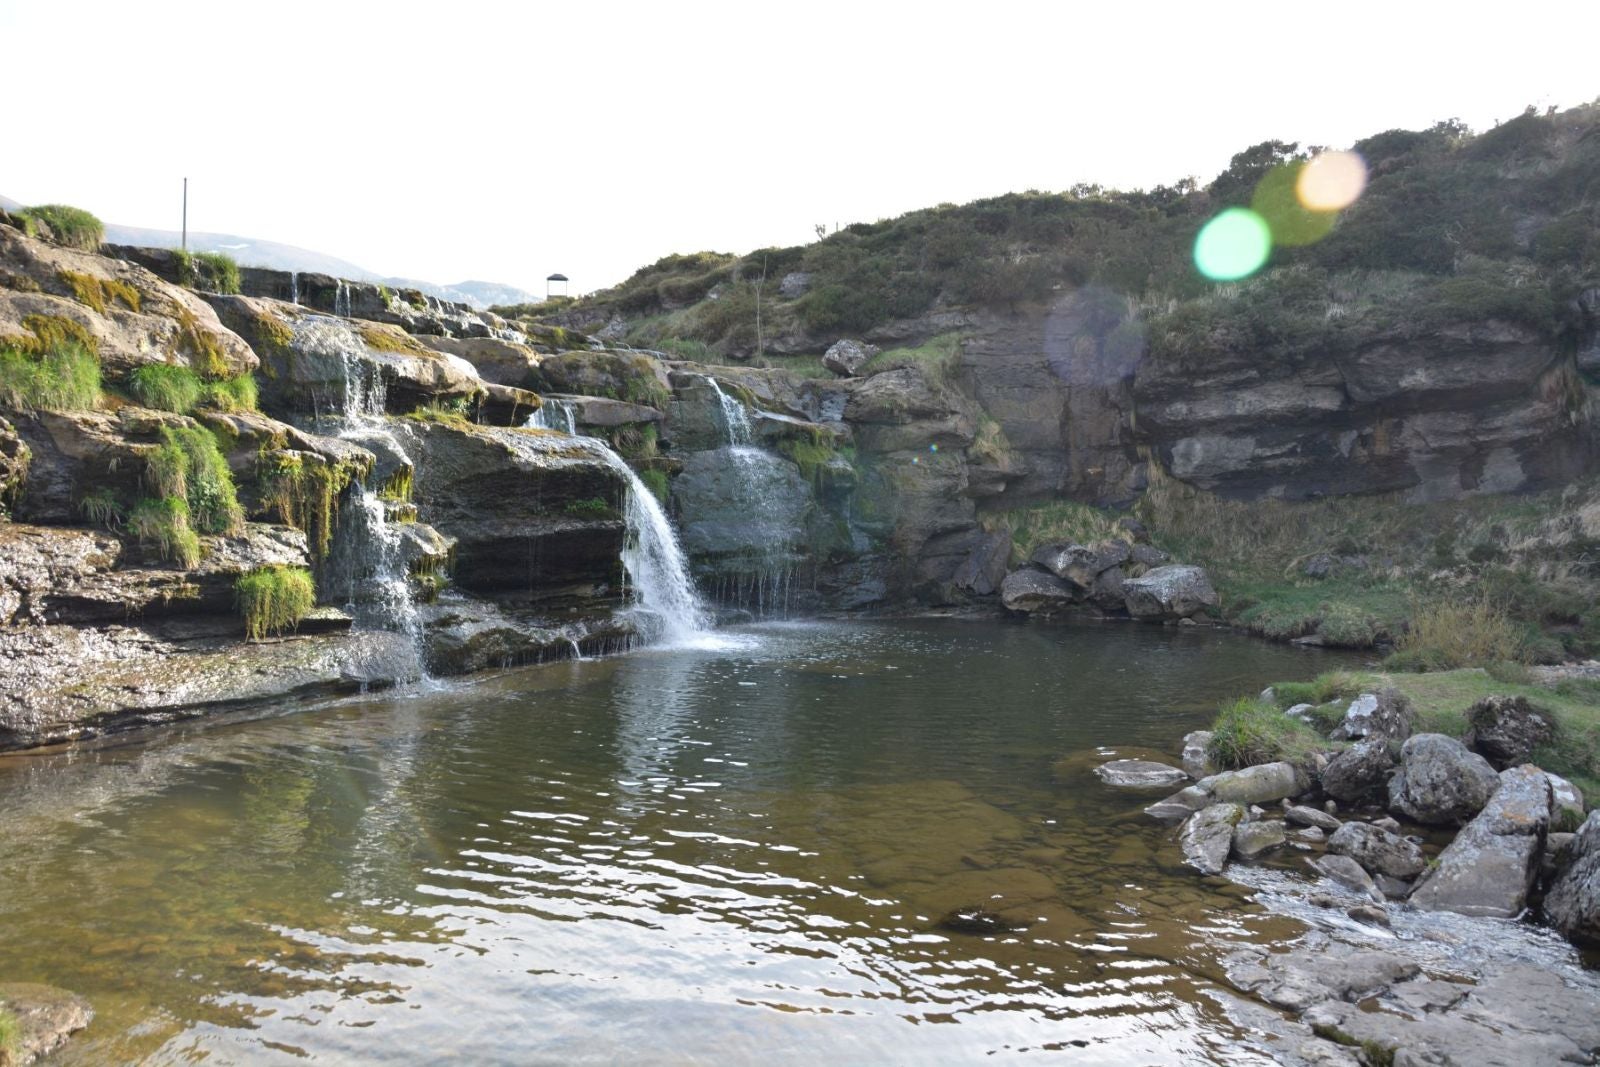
x=1248, y=732
x=70, y=225
x=1447, y=634
x=65, y=378
x=274, y=599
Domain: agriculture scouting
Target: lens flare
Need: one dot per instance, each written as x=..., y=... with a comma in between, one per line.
x=1233, y=245
x=1292, y=224
x=1332, y=181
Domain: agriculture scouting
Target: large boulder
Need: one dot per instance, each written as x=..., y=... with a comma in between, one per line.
x=1080, y=565
x=1506, y=729
x=1440, y=782
x=1207, y=838
x=1573, y=903
x=498, y=361
x=1171, y=592
x=983, y=572
x=1376, y=849
x=1386, y=714
x=1035, y=592
x=1490, y=866
x=846, y=358
x=1359, y=772
x=631, y=376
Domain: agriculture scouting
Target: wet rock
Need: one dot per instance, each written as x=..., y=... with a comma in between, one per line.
x=1255, y=785
x=1139, y=774
x=46, y=1017
x=1386, y=714
x=1566, y=804
x=1035, y=592
x=1080, y=565
x=1573, y=903
x=1170, y=592
x=1490, y=866
x=1254, y=839
x=497, y=361
x=1207, y=837
x=846, y=358
x=1393, y=888
x=1369, y=914
x=1386, y=823
x=1313, y=834
x=1180, y=805
x=1297, y=980
x=1300, y=815
x=1440, y=782
x=1196, y=760
x=1379, y=851
x=1348, y=873
x=974, y=920
x=1506, y=729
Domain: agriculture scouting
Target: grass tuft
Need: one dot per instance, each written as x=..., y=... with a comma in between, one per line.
x=166, y=387
x=164, y=524
x=65, y=378
x=71, y=225
x=1448, y=634
x=1249, y=731
x=189, y=466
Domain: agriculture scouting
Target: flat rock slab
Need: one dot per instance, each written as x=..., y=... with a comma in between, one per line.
x=1207, y=837
x=1300, y=815
x=1254, y=839
x=1139, y=774
x=46, y=1017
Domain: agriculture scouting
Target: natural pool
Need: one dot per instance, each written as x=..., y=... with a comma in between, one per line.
x=694, y=856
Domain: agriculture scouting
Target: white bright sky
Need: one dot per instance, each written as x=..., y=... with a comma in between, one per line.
x=505, y=141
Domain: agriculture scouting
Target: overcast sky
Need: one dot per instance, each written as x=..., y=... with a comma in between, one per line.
x=504, y=141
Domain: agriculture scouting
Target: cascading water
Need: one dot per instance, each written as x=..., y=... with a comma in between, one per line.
x=341, y=299
x=665, y=600
x=368, y=563
x=294, y=287
x=763, y=582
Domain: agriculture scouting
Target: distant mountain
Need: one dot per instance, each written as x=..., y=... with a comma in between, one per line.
x=250, y=252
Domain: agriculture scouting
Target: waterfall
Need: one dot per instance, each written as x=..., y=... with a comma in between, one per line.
x=734, y=419
x=559, y=415
x=369, y=558
x=658, y=582
x=294, y=288
x=341, y=299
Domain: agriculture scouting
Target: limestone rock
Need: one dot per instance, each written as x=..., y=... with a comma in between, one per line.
x=1379, y=851
x=46, y=1017
x=1255, y=785
x=1254, y=839
x=1566, y=804
x=1506, y=729
x=1573, y=903
x=1440, y=782
x=1170, y=592
x=1196, y=760
x=1348, y=873
x=1490, y=866
x=1139, y=774
x=1386, y=714
x=1300, y=815
x=1207, y=837
x=1035, y=592
x=846, y=358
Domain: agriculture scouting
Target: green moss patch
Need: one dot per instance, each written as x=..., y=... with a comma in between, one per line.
x=274, y=599
x=99, y=293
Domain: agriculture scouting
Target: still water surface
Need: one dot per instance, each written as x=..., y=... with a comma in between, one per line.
x=675, y=857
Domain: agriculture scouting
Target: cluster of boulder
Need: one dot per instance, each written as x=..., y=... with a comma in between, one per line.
x=1118, y=576
x=1368, y=815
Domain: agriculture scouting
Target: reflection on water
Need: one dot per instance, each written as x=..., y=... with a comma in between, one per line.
x=687, y=856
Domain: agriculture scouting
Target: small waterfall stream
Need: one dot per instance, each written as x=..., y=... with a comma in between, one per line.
x=663, y=593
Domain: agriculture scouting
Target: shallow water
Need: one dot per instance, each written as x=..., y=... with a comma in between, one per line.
x=716, y=855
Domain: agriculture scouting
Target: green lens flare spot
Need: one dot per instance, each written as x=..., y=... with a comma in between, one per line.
x=1233, y=245
x=1278, y=201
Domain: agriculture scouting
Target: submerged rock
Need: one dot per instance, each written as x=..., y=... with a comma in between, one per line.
x=975, y=920
x=46, y=1017
x=1207, y=838
x=1440, y=782
x=1490, y=866
x=1139, y=774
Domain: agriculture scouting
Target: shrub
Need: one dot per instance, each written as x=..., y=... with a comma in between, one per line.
x=187, y=465
x=274, y=599
x=70, y=225
x=164, y=524
x=1450, y=634
x=65, y=378
x=1248, y=732
x=166, y=387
